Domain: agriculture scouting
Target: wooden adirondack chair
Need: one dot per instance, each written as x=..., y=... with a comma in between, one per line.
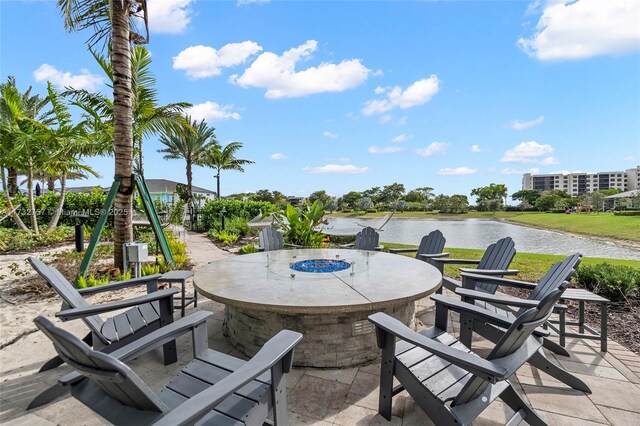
x=145, y=314
x=213, y=388
x=499, y=307
x=367, y=239
x=448, y=381
x=270, y=239
x=431, y=246
x=494, y=262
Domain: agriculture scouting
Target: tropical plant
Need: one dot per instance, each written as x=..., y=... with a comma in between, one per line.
x=223, y=158
x=188, y=141
x=225, y=236
x=109, y=21
x=491, y=197
x=300, y=225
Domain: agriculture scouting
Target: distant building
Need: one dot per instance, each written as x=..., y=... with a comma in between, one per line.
x=159, y=189
x=580, y=183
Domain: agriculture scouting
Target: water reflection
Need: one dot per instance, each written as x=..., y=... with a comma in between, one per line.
x=479, y=233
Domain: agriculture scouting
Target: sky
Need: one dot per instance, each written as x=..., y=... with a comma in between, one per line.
x=344, y=96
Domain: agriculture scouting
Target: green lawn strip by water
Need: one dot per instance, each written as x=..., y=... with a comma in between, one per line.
x=532, y=266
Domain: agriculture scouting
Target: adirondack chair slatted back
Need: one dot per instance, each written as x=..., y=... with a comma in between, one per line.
x=512, y=340
x=497, y=256
x=432, y=243
x=116, y=379
x=560, y=271
x=367, y=239
x=69, y=294
x=271, y=239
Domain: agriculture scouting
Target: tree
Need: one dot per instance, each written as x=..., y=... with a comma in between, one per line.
x=528, y=195
x=546, y=202
x=109, y=20
x=322, y=196
x=458, y=203
x=597, y=200
x=364, y=203
x=490, y=198
x=264, y=195
x=375, y=194
x=440, y=203
x=392, y=193
x=223, y=158
x=350, y=199
x=190, y=142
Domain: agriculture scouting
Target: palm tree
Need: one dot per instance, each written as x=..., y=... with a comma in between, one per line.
x=219, y=158
x=109, y=20
x=188, y=142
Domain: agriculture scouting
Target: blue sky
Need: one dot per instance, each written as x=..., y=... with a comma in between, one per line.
x=345, y=96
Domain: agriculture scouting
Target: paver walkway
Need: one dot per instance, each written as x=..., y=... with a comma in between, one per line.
x=340, y=397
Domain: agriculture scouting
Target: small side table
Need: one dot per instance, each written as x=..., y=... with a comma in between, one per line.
x=581, y=296
x=180, y=277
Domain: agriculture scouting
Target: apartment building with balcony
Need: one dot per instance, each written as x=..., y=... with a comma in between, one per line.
x=580, y=183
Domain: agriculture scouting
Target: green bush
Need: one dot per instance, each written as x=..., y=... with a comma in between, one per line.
x=627, y=213
x=225, y=236
x=616, y=283
x=248, y=249
x=300, y=224
x=18, y=240
x=212, y=210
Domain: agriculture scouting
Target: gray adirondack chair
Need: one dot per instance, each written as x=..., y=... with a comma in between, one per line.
x=270, y=239
x=145, y=314
x=448, y=381
x=501, y=310
x=494, y=262
x=367, y=239
x=213, y=388
x=431, y=246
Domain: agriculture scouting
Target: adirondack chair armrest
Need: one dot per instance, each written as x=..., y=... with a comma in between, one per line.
x=149, y=342
x=278, y=348
x=474, y=311
x=490, y=271
x=347, y=245
x=468, y=361
x=119, y=285
x=293, y=245
x=76, y=313
x=379, y=248
x=471, y=278
x=402, y=250
x=434, y=256
x=451, y=261
x=496, y=299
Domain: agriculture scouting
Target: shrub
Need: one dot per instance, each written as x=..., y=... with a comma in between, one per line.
x=627, y=213
x=248, y=249
x=92, y=281
x=300, y=224
x=225, y=237
x=212, y=210
x=616, y=283
x=17, y=239
x=174, y=215
x=149, y=269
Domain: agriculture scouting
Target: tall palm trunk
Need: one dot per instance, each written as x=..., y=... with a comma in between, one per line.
x=189, y=186
x=140, y=168
x=56, y=216
x=32, y=205
x=12, y=184
x=122, y=125
x=51, y=184
x=12, y=209
x=218, y=183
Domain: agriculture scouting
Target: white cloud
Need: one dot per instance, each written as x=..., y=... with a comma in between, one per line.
x=629, y=158
x=346, y=169
x=84, y=80
x=205, y=61
x=457, y=171
x=211, y=111
x=384, y=119
x=330, y=135
x=581, y=29
x=385, y=150
x=432, y=149
x=277, y=74
x=520, y=172
x=418, y=93
x=521, y=125
x=549, y=161
x=169, y=16
x=475, y=148
x=526, y=152
x=401, y=138
x=278, y=156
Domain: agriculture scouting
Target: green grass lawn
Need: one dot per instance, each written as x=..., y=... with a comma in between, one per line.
x=532, y=266
x=599, y=225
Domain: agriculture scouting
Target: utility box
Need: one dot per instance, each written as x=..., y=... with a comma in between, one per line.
x=136, y=252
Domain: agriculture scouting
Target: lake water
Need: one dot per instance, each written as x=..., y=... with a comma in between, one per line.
x=479, y=233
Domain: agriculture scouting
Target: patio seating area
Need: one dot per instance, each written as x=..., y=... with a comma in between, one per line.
x=347, y=396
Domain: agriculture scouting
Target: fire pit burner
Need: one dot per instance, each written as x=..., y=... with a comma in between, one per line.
x=320, y=265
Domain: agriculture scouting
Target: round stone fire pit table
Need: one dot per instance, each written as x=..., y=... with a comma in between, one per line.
x=325, y=294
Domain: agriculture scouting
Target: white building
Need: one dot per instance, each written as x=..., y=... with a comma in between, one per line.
x=579, y=183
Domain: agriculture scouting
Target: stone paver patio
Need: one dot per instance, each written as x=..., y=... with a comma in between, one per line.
x=347, y=396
